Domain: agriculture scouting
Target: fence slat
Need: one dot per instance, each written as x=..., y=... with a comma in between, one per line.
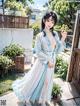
x=8, y=21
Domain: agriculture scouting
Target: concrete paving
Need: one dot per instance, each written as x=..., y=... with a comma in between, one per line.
x=11, y=100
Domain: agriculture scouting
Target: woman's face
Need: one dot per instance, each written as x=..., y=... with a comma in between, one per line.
x=49, y=23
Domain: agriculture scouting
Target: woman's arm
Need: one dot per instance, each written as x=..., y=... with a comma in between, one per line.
x=60, y=44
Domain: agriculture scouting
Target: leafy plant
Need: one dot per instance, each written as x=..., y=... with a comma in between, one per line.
x=36, y=28
x=5, y=63
x=17, y=7
x=14, y=5
x=28, y=10
x=61, y=68
x=64, y=27
x=56, y=91
x=13, y=50
x=66, y=11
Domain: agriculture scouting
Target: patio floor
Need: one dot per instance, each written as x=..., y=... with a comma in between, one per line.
x=70, y=97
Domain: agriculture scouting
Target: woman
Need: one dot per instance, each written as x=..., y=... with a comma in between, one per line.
x=36, y=85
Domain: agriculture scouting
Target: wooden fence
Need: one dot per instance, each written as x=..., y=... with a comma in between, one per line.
x=8, y=21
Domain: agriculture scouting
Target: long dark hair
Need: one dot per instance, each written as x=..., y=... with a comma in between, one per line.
x=45, y=17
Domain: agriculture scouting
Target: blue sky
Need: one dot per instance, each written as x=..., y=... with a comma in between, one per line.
x=39, y=3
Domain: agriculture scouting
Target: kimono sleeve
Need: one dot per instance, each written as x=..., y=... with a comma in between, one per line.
x=39, y=51
x=60, y=45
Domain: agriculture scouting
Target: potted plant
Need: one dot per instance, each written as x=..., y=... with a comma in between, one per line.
x=61, y=68
x=56, y=92
x=16, y=53
x=13, y=50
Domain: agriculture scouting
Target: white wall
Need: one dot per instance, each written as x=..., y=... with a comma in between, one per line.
x=19, y=36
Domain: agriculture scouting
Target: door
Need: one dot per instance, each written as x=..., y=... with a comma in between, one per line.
x=74, y=66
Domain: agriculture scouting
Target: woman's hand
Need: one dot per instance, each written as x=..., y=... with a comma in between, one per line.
x=64, y=35
x=50, y=64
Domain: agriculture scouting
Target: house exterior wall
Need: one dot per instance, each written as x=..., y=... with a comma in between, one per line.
x=23, y=37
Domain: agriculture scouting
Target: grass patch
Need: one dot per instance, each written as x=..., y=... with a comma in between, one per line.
x=6, y=82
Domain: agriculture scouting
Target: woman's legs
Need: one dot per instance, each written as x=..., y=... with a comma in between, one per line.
x=50, y=85
x=47, y=88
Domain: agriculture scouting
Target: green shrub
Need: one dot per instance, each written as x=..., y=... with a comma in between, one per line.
x=36, y=27
x=56, y=90
x=13, y=50
x=61, y=68
x=14, y=6
x=5, y=63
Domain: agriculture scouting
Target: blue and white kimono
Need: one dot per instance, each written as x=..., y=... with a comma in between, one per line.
x=37, y=84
